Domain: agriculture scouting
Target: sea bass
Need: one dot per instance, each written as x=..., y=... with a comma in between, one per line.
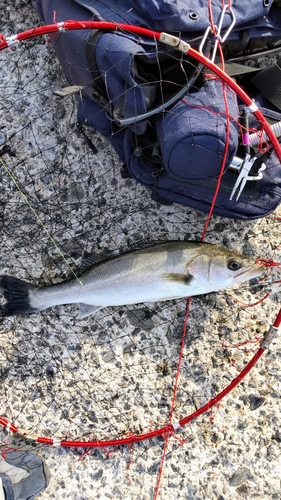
x=162, y=271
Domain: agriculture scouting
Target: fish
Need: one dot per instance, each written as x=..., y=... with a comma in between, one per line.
x=157, y=272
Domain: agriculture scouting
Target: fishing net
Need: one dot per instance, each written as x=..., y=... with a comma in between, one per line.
x=135, y=373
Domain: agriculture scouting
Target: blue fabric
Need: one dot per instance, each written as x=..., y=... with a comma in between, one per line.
x=170, y=15
x=191, y=134
x=193, y=15
x=180, y=15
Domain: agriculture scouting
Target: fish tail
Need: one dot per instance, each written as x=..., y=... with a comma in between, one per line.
x=15, y=296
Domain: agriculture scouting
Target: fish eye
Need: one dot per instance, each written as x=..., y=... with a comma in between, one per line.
x=234, y=265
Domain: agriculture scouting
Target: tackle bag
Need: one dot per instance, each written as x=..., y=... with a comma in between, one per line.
x=176, y=152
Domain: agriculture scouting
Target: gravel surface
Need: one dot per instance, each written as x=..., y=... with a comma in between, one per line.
x=112, y=374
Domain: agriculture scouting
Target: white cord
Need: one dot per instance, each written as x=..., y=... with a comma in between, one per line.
x=256, y=137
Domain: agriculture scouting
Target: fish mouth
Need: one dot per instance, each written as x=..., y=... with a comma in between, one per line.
x=254, y=271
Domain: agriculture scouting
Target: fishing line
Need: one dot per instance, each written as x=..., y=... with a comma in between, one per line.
x=39, y=220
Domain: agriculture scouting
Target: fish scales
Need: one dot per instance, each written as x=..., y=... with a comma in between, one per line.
x=155, y=273
x=127, y=279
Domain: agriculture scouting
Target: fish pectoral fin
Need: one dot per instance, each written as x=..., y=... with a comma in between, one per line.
x=87, y=309
x=184, y=279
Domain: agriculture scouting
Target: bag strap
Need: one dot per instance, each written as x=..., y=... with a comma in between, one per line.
x=268, y=82
x=235, y=69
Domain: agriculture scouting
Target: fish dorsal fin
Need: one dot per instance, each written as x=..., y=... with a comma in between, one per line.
x=87, y=309
x=91, y=259
x=141, y=245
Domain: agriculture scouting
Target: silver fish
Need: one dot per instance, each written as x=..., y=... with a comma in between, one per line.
x=162, y=271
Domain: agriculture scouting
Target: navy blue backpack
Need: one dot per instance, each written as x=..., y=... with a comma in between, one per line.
x=176, y=152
